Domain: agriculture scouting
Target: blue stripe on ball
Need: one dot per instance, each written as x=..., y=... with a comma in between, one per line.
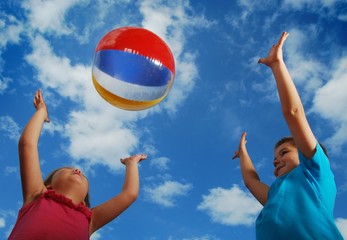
x=132, y=68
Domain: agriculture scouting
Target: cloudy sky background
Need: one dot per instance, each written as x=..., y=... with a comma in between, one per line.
x=190, y=187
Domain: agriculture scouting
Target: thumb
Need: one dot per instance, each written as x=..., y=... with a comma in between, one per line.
x=261, y=60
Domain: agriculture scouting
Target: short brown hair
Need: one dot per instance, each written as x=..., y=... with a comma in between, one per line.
x=290, y=139
x=287, y=139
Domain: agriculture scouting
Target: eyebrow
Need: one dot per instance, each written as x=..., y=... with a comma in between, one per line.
x=283, y=149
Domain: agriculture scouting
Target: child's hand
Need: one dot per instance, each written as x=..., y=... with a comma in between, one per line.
x=242, y=146
x=275, y=54
x=133, y=159
x=39, y=103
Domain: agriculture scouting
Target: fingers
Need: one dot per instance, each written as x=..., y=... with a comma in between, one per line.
x=243, y=142
x=136, y=158
x=243, y=136
x=282, y=39
x=38, y=97
x=141, y=156
x=39, y=103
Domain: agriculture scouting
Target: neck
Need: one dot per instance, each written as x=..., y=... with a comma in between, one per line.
x=71, y=193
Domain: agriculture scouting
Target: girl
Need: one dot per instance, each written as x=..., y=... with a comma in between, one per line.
x=58, y=208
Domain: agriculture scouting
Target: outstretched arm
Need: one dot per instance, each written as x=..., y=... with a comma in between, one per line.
x=110, y=209
x=249, y=174
x=32, y=182
x=292, y=108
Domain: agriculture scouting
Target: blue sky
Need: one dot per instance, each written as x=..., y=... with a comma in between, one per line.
x=190, y=187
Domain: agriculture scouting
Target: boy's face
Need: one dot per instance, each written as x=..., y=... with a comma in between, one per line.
x=286, y=159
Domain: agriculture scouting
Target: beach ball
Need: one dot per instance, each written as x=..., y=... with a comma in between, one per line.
x=133, y=68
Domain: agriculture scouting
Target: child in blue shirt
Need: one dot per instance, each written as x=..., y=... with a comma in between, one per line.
x=300, y=203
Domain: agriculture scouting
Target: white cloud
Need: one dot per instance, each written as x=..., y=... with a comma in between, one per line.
x=51, y=68
x=306, y=72
x=299, y=4
x=10, y=170
x=10, y=30
x=330, y=102
x=4, y=82
x=99, y=133
x=7, y=216
x=96, y=236
x=173, y=23
x=49, y=16
x=230, y=206
x=342, y=226
x=166, y=193
x=160, y=163
x=2, y=222
x=205, y=237
x=9, y=128
x=98, y=139
x=310, y=75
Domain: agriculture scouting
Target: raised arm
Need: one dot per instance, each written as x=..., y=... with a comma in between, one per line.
x=249, y=174
x=32, y=182
x=292, y=108
x=112, y=208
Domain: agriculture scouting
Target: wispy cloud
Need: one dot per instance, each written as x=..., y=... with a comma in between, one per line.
x=166, y=193
x=205, y=237
x=2, y=222
x=10, y=29
x=99, y=133
x=230, y=206
x=330, y=102
x=161, y=163
x=300, y=4
x=174, y=23
x=9, y=128
x=49, y=16
x=342, y=226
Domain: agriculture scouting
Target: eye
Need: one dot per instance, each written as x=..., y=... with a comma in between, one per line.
x=283, y=153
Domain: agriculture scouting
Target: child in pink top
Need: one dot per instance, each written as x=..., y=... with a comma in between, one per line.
x=58, y=208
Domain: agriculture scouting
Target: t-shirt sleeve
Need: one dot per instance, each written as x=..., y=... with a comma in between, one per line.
x=319, y=164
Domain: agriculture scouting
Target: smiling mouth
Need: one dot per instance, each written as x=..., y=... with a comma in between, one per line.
x=278, y=168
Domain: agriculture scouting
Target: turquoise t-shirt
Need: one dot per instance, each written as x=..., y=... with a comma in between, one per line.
x=300, y=204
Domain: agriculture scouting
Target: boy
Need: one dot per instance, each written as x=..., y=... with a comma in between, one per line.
x=299, y=204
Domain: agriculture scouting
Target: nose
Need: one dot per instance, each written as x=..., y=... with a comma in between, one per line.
x=276, y=162
x=77, y=171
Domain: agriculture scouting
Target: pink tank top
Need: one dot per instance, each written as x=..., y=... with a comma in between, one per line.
x=52, y=216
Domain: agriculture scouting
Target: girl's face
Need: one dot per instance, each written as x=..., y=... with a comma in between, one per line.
x=70, y=176
x=286, y=159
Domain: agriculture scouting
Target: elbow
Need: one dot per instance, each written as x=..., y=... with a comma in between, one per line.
x=248, y=183
x=24, y=143
x=132, y=196
x=293, y=112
